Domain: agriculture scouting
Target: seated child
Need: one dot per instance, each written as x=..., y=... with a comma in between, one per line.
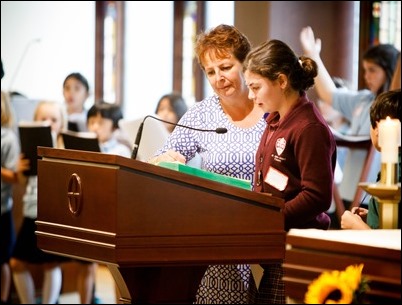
x=103, y=119
x=386, y=104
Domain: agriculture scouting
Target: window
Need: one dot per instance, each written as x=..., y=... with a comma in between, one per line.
x=109, y=51
x=390, y=22
x=189, y=19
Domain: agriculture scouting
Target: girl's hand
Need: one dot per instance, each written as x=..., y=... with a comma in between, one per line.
x=353, y=221
x=22, y=165
x=310, y=45
x=362, y=212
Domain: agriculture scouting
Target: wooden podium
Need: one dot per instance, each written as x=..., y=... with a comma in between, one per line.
x=156, y=229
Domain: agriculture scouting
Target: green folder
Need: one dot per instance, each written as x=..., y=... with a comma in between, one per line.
x=241, y=183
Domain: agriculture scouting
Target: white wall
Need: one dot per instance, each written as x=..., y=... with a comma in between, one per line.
x=58, y=38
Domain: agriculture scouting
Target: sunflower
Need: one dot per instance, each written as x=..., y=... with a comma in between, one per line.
x=352, y=275
x=327, y=289
x=337, y=287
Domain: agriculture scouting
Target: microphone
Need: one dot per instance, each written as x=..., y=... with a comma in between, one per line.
x=139, y=132
x=29, y=44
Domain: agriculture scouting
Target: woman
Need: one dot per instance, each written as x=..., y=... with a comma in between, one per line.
x=220, y=52
x=297, y=154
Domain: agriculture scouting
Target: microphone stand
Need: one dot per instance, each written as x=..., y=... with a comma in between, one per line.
x=30, y=43
x=137, y=140
x=139, y=132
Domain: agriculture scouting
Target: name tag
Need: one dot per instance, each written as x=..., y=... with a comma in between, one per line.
x=276, y=179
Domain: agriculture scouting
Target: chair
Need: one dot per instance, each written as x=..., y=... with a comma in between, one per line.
x=153, y=137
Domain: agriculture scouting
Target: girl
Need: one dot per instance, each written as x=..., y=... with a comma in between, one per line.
x=296, y=156
x=76, y=92
x=379, y=64
x=26, y=251
x=171, y=108
x=10, y=150
x=103, y=119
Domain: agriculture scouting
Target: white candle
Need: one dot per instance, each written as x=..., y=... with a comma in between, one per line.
x=389, y=139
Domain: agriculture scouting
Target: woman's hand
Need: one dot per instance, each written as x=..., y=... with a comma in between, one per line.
x=169, y=156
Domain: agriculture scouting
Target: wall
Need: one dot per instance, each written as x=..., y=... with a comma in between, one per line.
x=332, y=21
x=258, y=12
x=42, y=42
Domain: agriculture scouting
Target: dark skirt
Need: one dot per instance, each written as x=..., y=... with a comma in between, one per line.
x=272, y=286
x=7, y=236
x=26, y=248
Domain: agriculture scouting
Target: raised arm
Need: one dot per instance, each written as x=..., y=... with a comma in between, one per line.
x=312, y=48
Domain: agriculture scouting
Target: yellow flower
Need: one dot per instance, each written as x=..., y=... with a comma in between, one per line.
x=336, y=287
x=352, y=276
x=327, y=289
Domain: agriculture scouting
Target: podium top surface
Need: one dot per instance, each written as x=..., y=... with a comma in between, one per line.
x=147, y=168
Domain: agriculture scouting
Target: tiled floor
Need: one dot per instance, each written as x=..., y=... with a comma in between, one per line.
x=105, y=289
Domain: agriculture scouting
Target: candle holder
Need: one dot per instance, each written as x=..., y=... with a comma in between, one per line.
x=388, y=194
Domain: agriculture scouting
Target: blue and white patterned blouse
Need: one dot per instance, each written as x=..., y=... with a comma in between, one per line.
x=231, y=154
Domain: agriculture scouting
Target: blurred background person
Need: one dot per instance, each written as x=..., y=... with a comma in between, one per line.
x=379, y=64
x=103, y=119
x=171, y=108
x=76, y=92
x=10, y=174
x=387, y=104
x=334, y=118
x=26, y=251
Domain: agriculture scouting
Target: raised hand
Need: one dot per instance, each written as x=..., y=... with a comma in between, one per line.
x=311, y=46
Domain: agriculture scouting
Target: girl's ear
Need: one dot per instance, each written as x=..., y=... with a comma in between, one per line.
x=283, y=81
x=376, y=130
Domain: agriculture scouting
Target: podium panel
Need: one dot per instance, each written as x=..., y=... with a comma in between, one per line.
x=145, y=221
x=311, y=252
